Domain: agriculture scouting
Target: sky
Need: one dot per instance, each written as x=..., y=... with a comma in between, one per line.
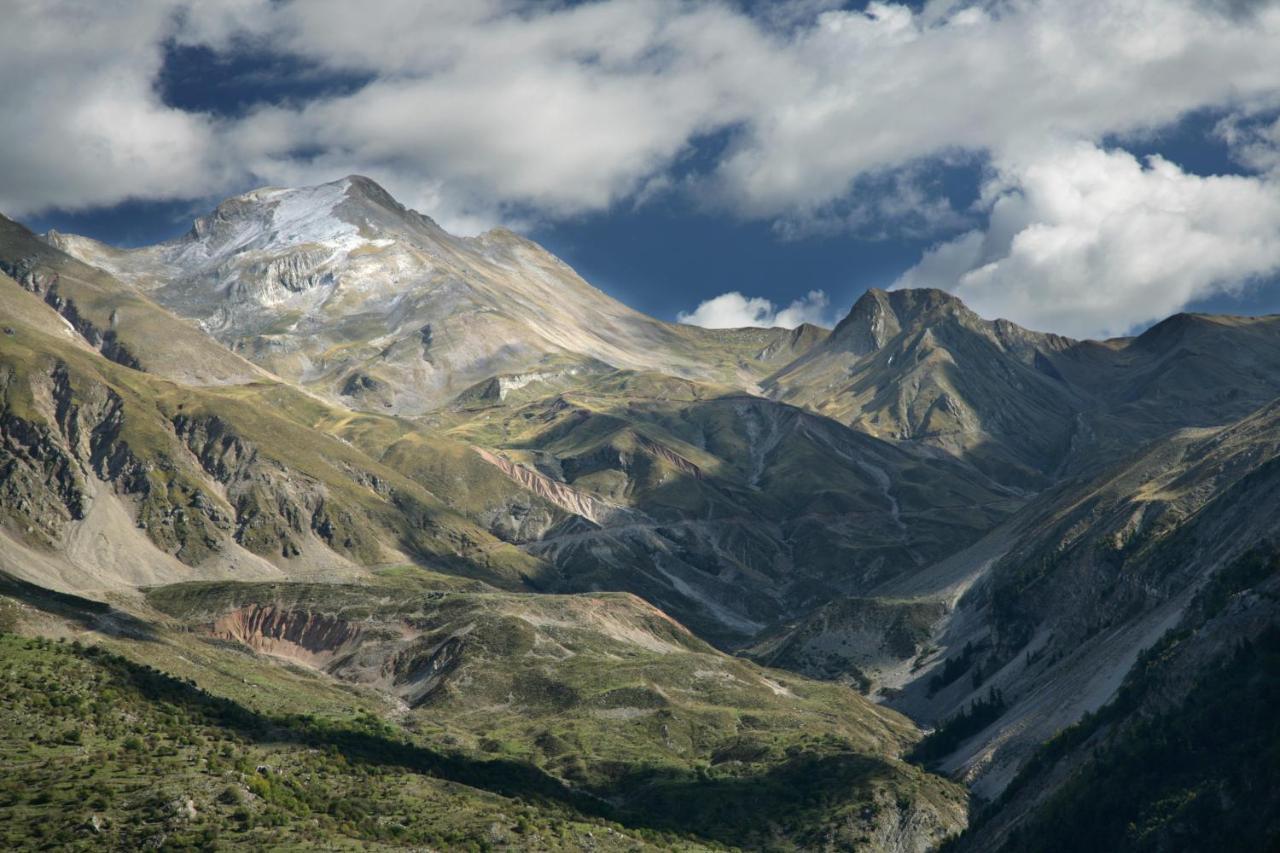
x=1086, y=168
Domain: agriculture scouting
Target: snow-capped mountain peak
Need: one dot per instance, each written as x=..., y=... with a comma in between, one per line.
x=275, y=219
x=340, y=286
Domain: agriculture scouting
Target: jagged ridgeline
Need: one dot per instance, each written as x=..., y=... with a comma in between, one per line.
x=375, y=536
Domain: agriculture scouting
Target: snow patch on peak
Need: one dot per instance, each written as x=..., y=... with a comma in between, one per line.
x=271, y=220
x=307, y=215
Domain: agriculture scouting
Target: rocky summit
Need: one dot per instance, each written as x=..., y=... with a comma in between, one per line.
x=322, y=526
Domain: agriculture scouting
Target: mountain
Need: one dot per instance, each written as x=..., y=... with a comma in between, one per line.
x=141, y=455
x=121, y=488
x=1105, y=568
x=340, y=288
x=115, y=477
x=917, y=365
x=1028, y=631
x=1156, y=768
x=1027, y=408
x=365, y=500
x=635, y=456
x=729, y=511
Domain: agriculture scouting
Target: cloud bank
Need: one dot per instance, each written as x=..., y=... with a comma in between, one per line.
x=1086, y=241
x=479, y=107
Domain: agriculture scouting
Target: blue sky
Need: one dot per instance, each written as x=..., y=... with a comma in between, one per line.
x=1086, y=168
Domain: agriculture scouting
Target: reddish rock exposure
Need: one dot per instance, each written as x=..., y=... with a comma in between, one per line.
x=675, y=460
x=562, y=495
x=301, y=636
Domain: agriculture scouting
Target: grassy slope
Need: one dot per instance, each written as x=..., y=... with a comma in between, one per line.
x=725, y=434
x=160, y=341
x=761, y=464
x=276, y=420
x=103, y=753
x=525, y=748
x=606, y=694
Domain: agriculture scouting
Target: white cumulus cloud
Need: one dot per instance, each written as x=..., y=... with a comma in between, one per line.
x=1091, y=242
x=491, y=109
x=84, y=124
x=878, y=88
x=734, y=311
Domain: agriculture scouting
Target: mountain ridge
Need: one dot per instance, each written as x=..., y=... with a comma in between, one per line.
x=412, y=464
x=340, y=287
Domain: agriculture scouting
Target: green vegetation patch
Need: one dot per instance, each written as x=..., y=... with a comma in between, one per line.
x=102, y=753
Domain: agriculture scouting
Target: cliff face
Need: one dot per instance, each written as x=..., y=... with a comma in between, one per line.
x=299, y=636
x=571, y=500
x=72, y=433
x=854, y=640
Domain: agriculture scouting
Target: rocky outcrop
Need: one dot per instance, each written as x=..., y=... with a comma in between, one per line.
x=364, y=391
x=899, y=826
x=275, y=507
x=262, y=284
x=496, y=389
x=301, y=636
x=105, y=341
x=359, y=384
x=851, y=639
x=519, y=517
x=564, y=496
x=426, y=336
x=76, y=431
x=44, y=283
x=294, y=272
x=669, y=456
x=79, y=430
x=420, y=673
x=41, y=488
x=394, y=655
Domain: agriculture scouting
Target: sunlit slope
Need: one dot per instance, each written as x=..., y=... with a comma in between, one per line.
x=340, y=288
x=116, y=477
x=605, y=694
